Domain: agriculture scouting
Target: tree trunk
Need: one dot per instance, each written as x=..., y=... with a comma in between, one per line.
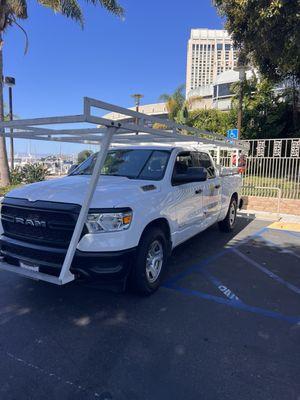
x=295, y=104
x=240, y=110
x=4, y=169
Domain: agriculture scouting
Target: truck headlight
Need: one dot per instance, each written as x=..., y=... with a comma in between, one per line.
x=108, y=222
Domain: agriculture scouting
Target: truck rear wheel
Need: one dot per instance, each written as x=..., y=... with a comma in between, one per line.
x=227, y=225
x=148, y=268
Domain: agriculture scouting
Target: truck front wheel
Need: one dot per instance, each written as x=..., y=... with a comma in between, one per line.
x=149, y=265
x=227, y=225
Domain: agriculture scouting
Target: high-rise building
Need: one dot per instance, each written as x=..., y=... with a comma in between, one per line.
x=210, y=52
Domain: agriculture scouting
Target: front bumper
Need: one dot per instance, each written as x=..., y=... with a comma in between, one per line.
x=107, y=265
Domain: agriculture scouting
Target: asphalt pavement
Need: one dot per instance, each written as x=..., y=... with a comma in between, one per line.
x=225, y=325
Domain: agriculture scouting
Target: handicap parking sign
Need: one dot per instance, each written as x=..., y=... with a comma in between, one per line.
x=233, y=134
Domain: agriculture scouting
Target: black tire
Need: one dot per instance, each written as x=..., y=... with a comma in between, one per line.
x=140, y=281
x=228, y=224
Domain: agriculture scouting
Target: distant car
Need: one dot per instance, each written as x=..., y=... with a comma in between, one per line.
x=151, y=199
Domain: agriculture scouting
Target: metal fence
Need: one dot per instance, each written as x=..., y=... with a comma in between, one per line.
x=270, y=169
x=273, y=168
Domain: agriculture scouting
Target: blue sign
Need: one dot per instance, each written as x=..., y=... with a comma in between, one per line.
x=233, y=134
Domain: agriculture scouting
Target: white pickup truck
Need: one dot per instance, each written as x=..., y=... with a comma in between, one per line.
x=150, y=199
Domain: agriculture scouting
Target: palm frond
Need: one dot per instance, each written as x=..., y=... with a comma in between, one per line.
x=191, y=100
x=164, y=97
x=110, y=5
x=25, y=34
x=18, y=8
x=69, y=8
x=55, y=5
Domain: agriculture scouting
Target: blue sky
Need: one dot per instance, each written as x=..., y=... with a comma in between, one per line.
x=110, y=59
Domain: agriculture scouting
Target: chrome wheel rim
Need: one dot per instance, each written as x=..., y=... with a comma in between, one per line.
x=154, y=261
x=232, y=214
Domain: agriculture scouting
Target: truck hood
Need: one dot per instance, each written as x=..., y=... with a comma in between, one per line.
x=111, y=191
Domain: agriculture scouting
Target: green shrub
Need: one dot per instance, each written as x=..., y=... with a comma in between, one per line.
x=33, y=173
x=16, y=176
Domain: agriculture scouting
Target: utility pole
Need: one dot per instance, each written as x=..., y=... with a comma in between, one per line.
x=10, y=82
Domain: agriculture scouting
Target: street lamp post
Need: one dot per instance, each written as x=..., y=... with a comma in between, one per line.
x=10, y=82
x=137, y=98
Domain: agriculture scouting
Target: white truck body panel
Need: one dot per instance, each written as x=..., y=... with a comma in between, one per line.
x=49, y=233
x=188, y=208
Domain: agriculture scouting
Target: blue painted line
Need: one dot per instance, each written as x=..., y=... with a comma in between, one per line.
x=252, y=236
x=279, y=246
x=231, y=301
x=267, y=271
x=235, y=304
x=208, y=260
x=220, y=286
x=196, y=267
x=294, y=234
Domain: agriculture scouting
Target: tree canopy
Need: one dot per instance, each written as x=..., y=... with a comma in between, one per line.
x=267, y=111
x=83, y=155
x=175, y=101
x=11, y=11
x=268, y=31
x=178, y=106
x=213, y=120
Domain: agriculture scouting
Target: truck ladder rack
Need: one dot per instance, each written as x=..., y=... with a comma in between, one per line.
x=103, y=132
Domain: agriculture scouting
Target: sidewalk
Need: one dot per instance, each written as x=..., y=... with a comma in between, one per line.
x=269, y=216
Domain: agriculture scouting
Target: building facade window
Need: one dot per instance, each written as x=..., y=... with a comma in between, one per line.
x=210, y=53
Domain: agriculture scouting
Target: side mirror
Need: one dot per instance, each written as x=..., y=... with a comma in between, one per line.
x=193, y=174
x=72, y=168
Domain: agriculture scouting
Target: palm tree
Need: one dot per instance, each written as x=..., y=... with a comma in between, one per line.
x=174, y=102
x=178, y=106
x=13, y=10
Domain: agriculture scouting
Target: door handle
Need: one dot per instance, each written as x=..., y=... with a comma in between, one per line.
x=217, y=186
x=198, y=191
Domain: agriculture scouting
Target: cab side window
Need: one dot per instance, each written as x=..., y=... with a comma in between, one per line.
x=184, y=160
x=205, y=161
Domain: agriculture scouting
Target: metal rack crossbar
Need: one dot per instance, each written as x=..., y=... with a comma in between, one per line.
x=103, y=132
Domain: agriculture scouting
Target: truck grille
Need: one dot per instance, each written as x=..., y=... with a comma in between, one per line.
x=39, y=222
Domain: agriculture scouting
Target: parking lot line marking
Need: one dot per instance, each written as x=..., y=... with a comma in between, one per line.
x=247, y=238
x=208, y=260
x=220, y=286
x=196, y=267
x=266, y=271
x=52, y=375
x=232, y=300
x=235, y=304
x=294, y=234
x=279, y=246
x=285, y=226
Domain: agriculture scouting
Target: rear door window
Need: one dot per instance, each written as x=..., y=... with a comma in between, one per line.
x=204, y=160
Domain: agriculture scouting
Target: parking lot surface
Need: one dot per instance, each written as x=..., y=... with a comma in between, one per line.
x=225, y=325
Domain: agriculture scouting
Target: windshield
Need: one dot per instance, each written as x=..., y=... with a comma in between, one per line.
x=133, y=164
